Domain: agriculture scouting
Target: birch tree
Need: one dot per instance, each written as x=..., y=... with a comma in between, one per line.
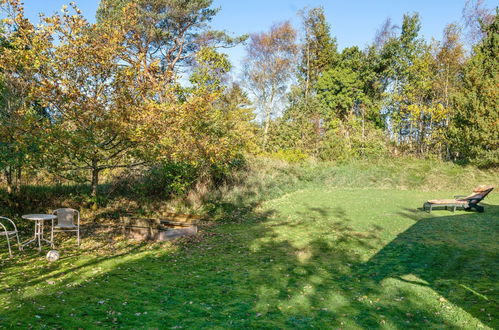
x=268, y=68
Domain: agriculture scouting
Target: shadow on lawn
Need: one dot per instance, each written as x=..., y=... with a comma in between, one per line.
x=251, y=275
x=456, y=256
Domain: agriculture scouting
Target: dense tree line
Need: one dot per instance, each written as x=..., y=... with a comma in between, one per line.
x=400, y=95
x=146, y=84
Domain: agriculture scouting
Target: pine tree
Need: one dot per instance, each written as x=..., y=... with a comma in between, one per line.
x=474, y=133
x=319, y=48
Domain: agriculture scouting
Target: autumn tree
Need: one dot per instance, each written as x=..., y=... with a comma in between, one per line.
x=268, y=68
x=449, y=57
x=238, y=113
x=93, y=118
x=21, y=55
x=475, y=14
x=211, y=125
x=386, y=32
x=165, y=39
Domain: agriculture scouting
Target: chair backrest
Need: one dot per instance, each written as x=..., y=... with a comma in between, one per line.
x=479, y=193
x=65, y=216
x=482, y=189
x=4, y=220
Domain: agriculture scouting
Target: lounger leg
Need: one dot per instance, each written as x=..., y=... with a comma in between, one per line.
x=427, y=207
x=477, y=207
x=454, y=210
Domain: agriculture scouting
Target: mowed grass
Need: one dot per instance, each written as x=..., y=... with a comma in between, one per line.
x=318, y=257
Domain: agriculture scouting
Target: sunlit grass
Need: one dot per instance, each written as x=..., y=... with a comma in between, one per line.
x=316, y=257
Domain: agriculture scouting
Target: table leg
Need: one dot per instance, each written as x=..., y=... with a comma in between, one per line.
x=43, y=238
x=31, y=240
x=52, y=234
x=40, y=233
x=38, y=237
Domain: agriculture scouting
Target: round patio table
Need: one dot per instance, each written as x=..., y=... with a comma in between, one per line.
x=39, y=220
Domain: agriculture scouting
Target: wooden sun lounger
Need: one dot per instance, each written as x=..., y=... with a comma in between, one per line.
x=464, y=202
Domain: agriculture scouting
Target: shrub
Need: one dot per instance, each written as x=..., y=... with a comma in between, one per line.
x=289, y=155
x=351, y=140
x=173, y=178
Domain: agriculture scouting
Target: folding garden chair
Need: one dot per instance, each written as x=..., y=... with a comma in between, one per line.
x=66, y=223
x=4, y=231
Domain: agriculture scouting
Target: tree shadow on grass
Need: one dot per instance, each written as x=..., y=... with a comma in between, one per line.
x=455, y=255
x=251, y=274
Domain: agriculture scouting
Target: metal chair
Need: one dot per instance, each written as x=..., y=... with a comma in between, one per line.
x=5, y=232
x=66, y=223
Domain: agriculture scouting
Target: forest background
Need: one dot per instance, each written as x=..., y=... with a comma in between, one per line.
x=144, y=97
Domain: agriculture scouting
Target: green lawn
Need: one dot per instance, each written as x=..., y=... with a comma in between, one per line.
x=318, y=257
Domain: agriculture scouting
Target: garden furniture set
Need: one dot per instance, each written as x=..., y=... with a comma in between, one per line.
x=62, y=220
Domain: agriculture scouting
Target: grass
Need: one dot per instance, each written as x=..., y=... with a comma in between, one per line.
x=295, y=253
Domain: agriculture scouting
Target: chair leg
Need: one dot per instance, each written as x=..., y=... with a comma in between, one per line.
x=18, y=242
x=78, y=236
x=8, y=244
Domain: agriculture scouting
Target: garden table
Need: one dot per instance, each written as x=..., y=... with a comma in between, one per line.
x=39, y=220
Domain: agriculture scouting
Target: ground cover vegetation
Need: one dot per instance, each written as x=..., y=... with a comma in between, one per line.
x=287, y=250
x=310, y=170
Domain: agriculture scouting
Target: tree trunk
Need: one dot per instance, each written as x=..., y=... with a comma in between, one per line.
x=266, y=128
x=18, y=179
x=307, y=86
x=8, y=178
x=421, y=135
x=410, y=134
x=95, y=182
x=363, y=123
x=268, y=115
x=95, y=178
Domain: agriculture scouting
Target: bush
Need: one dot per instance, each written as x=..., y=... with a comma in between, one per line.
x=168, y=179
x=289, y=155
x=349, y=140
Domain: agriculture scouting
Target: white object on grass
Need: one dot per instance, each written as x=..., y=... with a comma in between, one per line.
x=53, y=255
